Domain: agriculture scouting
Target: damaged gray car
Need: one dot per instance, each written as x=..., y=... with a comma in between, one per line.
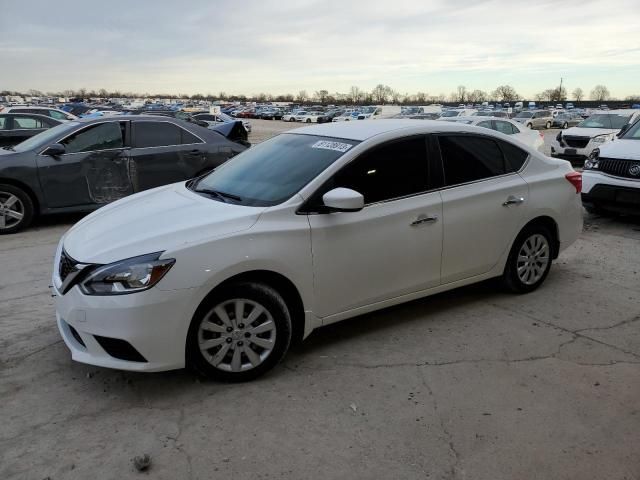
x=81, y=165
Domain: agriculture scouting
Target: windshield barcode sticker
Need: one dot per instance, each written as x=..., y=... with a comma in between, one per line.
x=336, y=146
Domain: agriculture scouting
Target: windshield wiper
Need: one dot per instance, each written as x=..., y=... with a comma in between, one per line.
x=9, y=147
x=218, y=194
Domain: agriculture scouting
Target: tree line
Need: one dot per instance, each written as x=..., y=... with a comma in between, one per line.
x=380, y=94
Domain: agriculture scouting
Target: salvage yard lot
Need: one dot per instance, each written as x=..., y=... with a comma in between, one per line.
x=473, y=383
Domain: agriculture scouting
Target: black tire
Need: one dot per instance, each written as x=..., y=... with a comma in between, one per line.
x=292, y=119
x=308, y=120
x=24, y=206
x=259, y=293
x=510, y=278
x=565, y=126
x=530, y=125
x=548, y=125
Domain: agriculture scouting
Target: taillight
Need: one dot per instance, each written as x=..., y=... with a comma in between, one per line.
x=575, y=178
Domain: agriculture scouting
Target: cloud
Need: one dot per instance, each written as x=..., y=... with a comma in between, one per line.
x=285, y=46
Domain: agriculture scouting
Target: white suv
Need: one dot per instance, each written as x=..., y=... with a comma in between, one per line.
x=54, y=113
x=577, y=143
x=611, y=178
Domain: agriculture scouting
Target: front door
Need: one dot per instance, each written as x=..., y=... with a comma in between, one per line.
x=390, y=248
x=93, y=170
x=483, y=205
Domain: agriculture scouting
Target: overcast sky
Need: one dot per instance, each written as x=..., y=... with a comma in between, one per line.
x=283, y=46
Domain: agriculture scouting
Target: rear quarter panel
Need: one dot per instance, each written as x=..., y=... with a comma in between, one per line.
x=552, y=195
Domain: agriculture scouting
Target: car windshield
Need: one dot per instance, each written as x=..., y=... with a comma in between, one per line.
x=605, y=120
x=274, y=170
x=524, y=115
x=46, y=137
x=366, y=110
x=483, y=114
x=450, y=113
x=633, y=133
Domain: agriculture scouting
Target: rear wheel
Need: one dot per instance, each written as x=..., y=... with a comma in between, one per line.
x=308, y=120
x=292, y=119
x=530, y=125
x=529, y=261
x=565, y=126
x=548, y=125
x=16, y=209
x=239, y=333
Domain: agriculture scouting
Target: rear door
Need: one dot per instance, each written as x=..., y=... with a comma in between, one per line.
x=164, y=153
x=94, y=169
x=6, y=122
x=483, y=204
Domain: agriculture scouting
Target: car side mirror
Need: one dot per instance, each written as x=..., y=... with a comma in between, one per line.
x=55, y=149
x=343, y=200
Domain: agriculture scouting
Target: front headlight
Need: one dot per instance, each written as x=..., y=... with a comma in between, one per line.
x=127, y=276
x=592, y=163
x=601, y=138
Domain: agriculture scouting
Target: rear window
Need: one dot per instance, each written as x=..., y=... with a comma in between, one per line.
x=161, y=134
x=514, y=156
x=467, y=158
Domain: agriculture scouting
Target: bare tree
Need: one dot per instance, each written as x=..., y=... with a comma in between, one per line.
x=600, y=93
x=355, y=94
x=505, y=93
x=322, y=95
x=302, y=96
x=477, y=96
x=578, y=94
x=381, y=93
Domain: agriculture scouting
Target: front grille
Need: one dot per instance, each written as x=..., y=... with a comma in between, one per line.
x=620, y=168
x=66, y=266
x=576, y=142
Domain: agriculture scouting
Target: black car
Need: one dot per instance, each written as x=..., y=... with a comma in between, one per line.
x=17, y=127
x=81, y=165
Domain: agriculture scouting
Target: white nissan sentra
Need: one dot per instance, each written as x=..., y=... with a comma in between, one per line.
x=319, y=224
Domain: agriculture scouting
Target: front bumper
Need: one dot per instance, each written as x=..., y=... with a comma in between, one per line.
x=611, y=193
x=154, y=323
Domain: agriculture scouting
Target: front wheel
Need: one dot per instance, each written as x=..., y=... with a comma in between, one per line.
x=308, y=120
x=565, y=126
x=530, y=125
x=16, y=209
x=548, y=125
x=292, y=119
x=239, y=333
x=529, y=261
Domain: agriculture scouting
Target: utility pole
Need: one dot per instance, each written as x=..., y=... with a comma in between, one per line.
x=560, y=90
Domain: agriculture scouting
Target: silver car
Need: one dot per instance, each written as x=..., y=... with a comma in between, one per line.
x=535, y=118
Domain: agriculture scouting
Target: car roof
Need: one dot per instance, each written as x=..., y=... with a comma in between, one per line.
x=30, y=115
x=37, y=107
x=361, y=130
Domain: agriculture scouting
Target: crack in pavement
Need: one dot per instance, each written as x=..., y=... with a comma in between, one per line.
x=455, y=467
x=619, y=324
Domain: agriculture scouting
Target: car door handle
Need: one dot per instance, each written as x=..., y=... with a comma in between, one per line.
x=511, y=200
x=422, y=219
x=194, y=152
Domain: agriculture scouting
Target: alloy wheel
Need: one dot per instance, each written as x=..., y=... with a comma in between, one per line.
x=533, y=259
x=237, y=335
x=11, y=210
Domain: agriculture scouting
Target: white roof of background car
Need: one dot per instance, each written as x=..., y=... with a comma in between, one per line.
x=361, y=130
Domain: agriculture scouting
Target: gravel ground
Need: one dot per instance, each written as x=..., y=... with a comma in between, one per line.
x=470, y=384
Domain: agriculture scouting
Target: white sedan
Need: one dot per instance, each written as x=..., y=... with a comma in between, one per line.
x=223, y=272
x=309, y=117
x=522, y=133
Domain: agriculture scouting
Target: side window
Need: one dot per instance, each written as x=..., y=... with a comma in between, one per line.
x=189, y=138
x=57, y=115
x=467, y=159
x=485, y=124
x=505, y=127
x=514, y=156
x=27, y=123
x=156, y=134
x=393, y=170
x=102, y=136
x=4, y=123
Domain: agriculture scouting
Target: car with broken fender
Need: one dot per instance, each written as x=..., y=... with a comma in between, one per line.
x=224, y=272
x=81, y=165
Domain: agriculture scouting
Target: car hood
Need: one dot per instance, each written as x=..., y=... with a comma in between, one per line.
x=588, y=132
x=165, y=218
x=620, y=148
